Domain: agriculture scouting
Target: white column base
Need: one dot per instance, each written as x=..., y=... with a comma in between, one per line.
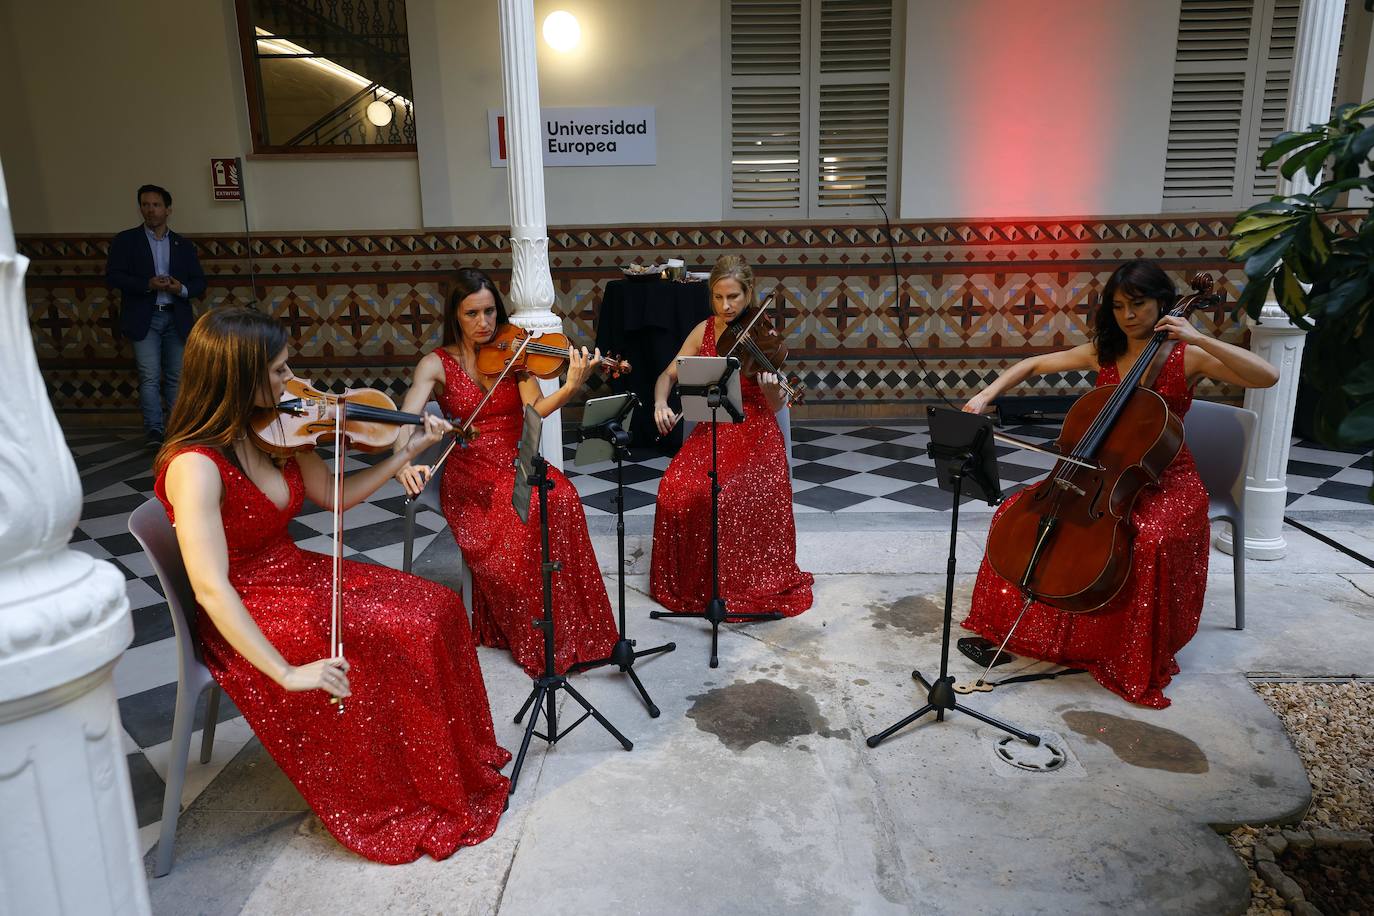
x=1264, y=507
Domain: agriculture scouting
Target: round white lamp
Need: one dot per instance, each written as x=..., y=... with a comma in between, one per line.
x=561, y=30
x=379, y=113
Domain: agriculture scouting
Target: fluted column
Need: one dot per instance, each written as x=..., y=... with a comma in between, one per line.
x=531, y=286
x=68, y=835
x=1275, y=337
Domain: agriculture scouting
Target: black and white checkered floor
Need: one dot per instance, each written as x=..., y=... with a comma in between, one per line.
x=837, y=467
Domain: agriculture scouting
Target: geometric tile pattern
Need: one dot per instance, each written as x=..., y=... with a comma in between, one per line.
x=972, y=297
x=836, y=468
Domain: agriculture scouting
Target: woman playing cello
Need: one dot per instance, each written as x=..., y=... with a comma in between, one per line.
x=412, y=767
x=1128, y=644
x=502, y=551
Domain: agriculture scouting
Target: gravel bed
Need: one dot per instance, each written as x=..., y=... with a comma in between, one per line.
x=1332, y=727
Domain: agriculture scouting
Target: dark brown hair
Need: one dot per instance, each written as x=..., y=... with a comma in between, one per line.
x=1139, y=280
x=467, y=281
x=224, y=367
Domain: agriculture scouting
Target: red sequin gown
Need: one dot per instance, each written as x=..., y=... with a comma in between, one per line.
x=412, y=764
x=758, y=534
x=1128, y=645
x=504, y=553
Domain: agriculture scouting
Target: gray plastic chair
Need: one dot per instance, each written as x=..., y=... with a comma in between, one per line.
x=149, y=525
x=1219, y=436
x=429, y=499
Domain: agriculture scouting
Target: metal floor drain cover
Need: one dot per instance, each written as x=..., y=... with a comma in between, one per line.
x=1044, y=758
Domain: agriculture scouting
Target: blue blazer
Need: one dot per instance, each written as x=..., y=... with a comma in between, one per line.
x=130, y=270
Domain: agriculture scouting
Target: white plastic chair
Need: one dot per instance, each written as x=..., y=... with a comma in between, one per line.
x=149, y=525
x=1219, y=437
x=429, y=499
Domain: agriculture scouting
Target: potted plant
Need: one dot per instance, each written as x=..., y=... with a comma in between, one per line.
x=1317, y=255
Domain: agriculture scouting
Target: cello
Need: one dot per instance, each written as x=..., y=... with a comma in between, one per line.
x=1066, y=541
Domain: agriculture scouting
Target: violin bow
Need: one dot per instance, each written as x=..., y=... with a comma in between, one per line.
x=460, y=437
x=788, y=391
x=336, y=647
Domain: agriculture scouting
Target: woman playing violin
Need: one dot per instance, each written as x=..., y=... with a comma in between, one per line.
x=758, y=533
x=501, y=551
x=412, y=766
x=1130, y=643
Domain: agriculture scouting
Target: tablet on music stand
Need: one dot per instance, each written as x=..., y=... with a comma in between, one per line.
x=697, y=375
x=524, y=462
x=597, y=416
x=961, y=443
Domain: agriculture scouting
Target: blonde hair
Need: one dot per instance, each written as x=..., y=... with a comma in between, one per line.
x=733, y=267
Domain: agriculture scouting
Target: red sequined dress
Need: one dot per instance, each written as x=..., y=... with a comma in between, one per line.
x=412, y=764
x=503, y=552
x=758, y=534
x=1128, y=645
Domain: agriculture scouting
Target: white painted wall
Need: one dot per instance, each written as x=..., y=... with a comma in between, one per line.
x=1051, y=108
x=102, y=97
x=664, y=53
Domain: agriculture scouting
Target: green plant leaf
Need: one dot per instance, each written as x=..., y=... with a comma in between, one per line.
x=1290, y=293
x=1358, y=426
x=1251, y=298
x=1317, y=238
x=1250, y=222
x=1285, y=143
x=1341, y=296
x=1360, y=383
x=1314, y=159
x=1256, y=238
x=1262, y=262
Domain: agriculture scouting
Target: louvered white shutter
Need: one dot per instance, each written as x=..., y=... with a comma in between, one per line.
x=810, y=95
x=1231, y=82
x=767, y=98
x=1276, y=67
x=1206, y=166
x=853, y=102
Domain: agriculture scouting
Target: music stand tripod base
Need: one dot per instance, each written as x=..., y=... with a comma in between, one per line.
x=544, y=695
x=720, y=393
x=966, y=453
x=623, y=654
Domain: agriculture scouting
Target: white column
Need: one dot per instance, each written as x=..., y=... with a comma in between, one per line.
x=531, y=286
x=1276, y=338
x=1279, y=342
x=68, y=835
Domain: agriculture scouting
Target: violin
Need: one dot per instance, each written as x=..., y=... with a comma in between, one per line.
x=543, y=356
x=1066, y=541
x=760, y=348
x=307, y=419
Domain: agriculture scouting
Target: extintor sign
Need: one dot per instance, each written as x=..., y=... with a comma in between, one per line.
x=225, y=179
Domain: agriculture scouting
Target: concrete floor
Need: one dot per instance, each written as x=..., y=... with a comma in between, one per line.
x=755, y=793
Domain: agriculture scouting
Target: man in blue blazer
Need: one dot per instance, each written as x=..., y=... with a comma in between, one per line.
x=158, y=274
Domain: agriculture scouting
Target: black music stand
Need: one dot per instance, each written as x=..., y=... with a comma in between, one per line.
x=709, y=384
x=961, y=446
x=604, y=422
x=532, y=473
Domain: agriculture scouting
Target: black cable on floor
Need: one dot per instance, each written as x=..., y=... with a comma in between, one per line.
x=1328, y=541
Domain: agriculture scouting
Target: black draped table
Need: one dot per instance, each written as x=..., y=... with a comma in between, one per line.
x=645, y=321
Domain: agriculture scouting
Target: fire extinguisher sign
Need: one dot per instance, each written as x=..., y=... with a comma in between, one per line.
x=225, y=179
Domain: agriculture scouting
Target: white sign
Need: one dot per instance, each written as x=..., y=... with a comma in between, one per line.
x=585, y=136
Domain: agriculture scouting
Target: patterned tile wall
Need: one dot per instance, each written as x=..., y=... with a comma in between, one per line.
x=973, y=297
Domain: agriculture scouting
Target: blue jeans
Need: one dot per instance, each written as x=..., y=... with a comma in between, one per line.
x=158, y=356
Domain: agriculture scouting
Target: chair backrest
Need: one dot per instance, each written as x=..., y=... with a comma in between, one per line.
x=429, y=496
x=150, y=527
x=1219, y=437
